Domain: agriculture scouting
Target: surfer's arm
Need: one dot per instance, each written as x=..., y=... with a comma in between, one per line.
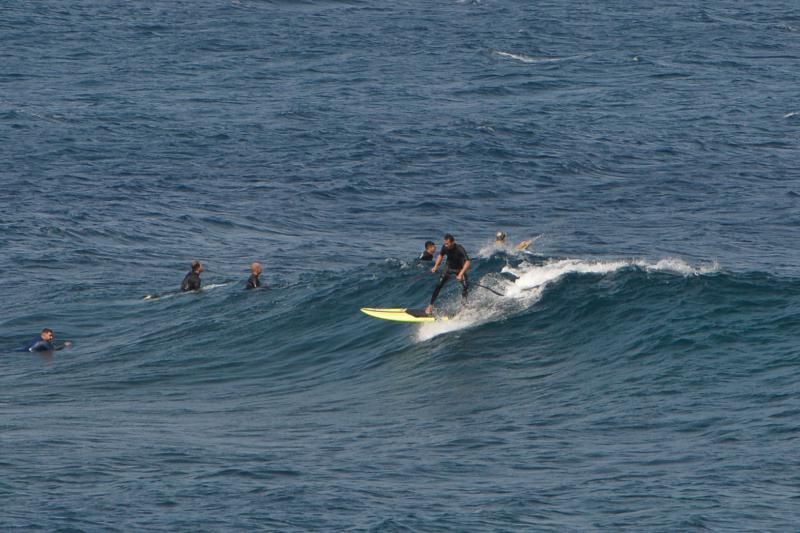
x=40, y=346
x=463, y=270
x=437, y=263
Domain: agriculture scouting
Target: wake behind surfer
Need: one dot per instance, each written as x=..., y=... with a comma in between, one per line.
x=457, y=265
x=45, y=343
x=192, y=282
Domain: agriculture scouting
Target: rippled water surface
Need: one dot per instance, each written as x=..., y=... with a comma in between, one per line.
x=635, y=369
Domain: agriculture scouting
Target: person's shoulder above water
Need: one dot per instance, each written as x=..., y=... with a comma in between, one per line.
x=427, y=253
x=254, y=281
x=45, y=343
x=37, y=344
x=192, y=281
x=500, y=240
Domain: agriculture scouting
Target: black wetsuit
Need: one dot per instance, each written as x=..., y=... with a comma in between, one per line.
x=38, y=344
x=456, y=257
x=253, y=282
x=425, y=256
x=191, y=282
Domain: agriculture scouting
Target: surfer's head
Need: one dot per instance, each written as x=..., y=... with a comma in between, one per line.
x=500, y=236
x=449, y=240
x=430, y=246
x=255, y=269
x=47, y=335
x=197, y=266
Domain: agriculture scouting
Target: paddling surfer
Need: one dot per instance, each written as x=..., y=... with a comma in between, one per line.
x=457, y=265
x=44, y=343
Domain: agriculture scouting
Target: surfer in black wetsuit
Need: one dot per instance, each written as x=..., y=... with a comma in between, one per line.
x=254, y=282
x=192, y=280
x=44, y=343
x=457, y=264
x=427, y=254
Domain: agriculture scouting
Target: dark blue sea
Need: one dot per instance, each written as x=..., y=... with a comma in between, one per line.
x=637, y=368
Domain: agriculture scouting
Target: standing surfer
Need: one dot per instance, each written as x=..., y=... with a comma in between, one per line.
x=457, y=264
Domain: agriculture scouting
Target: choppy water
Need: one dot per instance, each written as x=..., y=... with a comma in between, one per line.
x=638, y=369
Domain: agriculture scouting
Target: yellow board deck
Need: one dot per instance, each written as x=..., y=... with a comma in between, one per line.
x=414, y=316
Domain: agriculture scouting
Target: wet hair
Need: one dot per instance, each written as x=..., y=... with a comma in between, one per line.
x=195, y=265
x=449, y=237
x=47, y=330
x=429, y=243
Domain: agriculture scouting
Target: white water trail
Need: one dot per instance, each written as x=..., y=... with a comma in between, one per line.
x=529, y=284
x=526, y=58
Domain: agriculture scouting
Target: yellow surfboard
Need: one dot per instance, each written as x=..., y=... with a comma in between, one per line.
x=416, y=316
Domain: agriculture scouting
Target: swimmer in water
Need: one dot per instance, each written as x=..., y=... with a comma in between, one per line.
x=427, y=253
x=500, y=240
x=254, y=282
x=44, y=343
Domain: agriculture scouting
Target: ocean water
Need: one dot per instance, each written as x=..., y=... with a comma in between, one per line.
x=636, y=369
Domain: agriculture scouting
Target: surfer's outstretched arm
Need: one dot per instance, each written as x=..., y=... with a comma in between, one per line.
x=44, y=343
x=437, y=263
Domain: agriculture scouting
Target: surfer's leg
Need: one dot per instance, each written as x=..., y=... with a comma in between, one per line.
x=442, y=281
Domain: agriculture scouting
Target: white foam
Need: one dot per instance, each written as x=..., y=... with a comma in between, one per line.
x=531, y=276
x=531, y=281
x=213, y=286
x=526, y=58
x=484, y=307
x=678, y=266
x=432, y=329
